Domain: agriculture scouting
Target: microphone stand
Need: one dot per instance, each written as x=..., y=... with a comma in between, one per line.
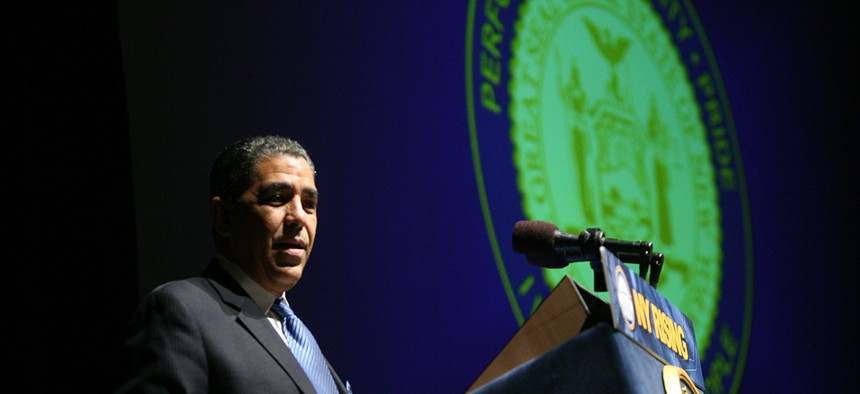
x=640, y=253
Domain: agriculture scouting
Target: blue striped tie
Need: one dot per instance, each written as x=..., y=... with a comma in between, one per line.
x=304, y=347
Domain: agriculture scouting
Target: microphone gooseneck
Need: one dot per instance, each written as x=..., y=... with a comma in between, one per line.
x=544, y=245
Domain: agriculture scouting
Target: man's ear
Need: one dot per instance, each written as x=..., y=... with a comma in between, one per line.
x=219, y=211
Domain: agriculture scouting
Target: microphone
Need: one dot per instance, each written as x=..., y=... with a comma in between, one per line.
x=546, y=246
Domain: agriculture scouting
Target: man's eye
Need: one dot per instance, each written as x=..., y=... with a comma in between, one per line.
x=310, y=206
x=276, y=200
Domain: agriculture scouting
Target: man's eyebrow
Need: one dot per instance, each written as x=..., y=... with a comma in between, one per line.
x=285, y=186
x=276, y=187
x=314, y=193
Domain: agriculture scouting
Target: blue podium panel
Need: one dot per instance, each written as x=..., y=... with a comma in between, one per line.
x=598, y=360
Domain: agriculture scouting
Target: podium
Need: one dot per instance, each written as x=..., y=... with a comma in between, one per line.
x=576, y=342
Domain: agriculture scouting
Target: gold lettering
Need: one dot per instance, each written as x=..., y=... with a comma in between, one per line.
x=488, y=98
x=658, y=323
x=721, y=365
x=712, y=108
x=729, y=342
x=666, y=330
x=672, y=338
x=641, y=305
x=682, y=339
x=489, y=38
x=723, y=152
x=727, y=179
x=674, y=14
x=491, y=68
x=492, y=13
x=674, y=9
x=705, y=83
x=490, y=64
x=719, y=368
x=684, y=30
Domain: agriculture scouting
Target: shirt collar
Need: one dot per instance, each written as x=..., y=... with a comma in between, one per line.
x=258, y=294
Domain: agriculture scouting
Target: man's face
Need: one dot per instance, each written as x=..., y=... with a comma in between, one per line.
x=272, y=227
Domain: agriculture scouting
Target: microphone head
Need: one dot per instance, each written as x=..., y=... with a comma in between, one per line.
x=534, y=238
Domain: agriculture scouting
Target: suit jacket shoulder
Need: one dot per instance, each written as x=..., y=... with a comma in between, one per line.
x=205, y=334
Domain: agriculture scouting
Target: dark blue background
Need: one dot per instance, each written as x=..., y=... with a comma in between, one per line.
x=114, y=118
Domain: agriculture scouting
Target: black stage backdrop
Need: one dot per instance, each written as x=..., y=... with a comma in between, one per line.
x=114, y=114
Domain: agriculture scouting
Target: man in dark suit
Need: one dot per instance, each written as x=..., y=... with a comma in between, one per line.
x=220, y=333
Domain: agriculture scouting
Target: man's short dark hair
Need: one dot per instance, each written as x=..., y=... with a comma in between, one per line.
x=234, y=168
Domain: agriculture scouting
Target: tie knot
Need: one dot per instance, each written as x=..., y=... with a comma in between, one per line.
x=281, y=309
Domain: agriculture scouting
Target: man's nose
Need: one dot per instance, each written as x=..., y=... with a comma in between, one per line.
x=296, y=215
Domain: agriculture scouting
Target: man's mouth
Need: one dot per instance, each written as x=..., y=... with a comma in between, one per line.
x=290, y=247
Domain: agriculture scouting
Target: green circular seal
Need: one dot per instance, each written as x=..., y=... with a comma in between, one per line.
x=611, y=115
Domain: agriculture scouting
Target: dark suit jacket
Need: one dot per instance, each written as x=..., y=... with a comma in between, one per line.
x=206, y=335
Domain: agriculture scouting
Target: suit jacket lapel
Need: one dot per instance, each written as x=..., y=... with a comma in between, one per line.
x=255, y=322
